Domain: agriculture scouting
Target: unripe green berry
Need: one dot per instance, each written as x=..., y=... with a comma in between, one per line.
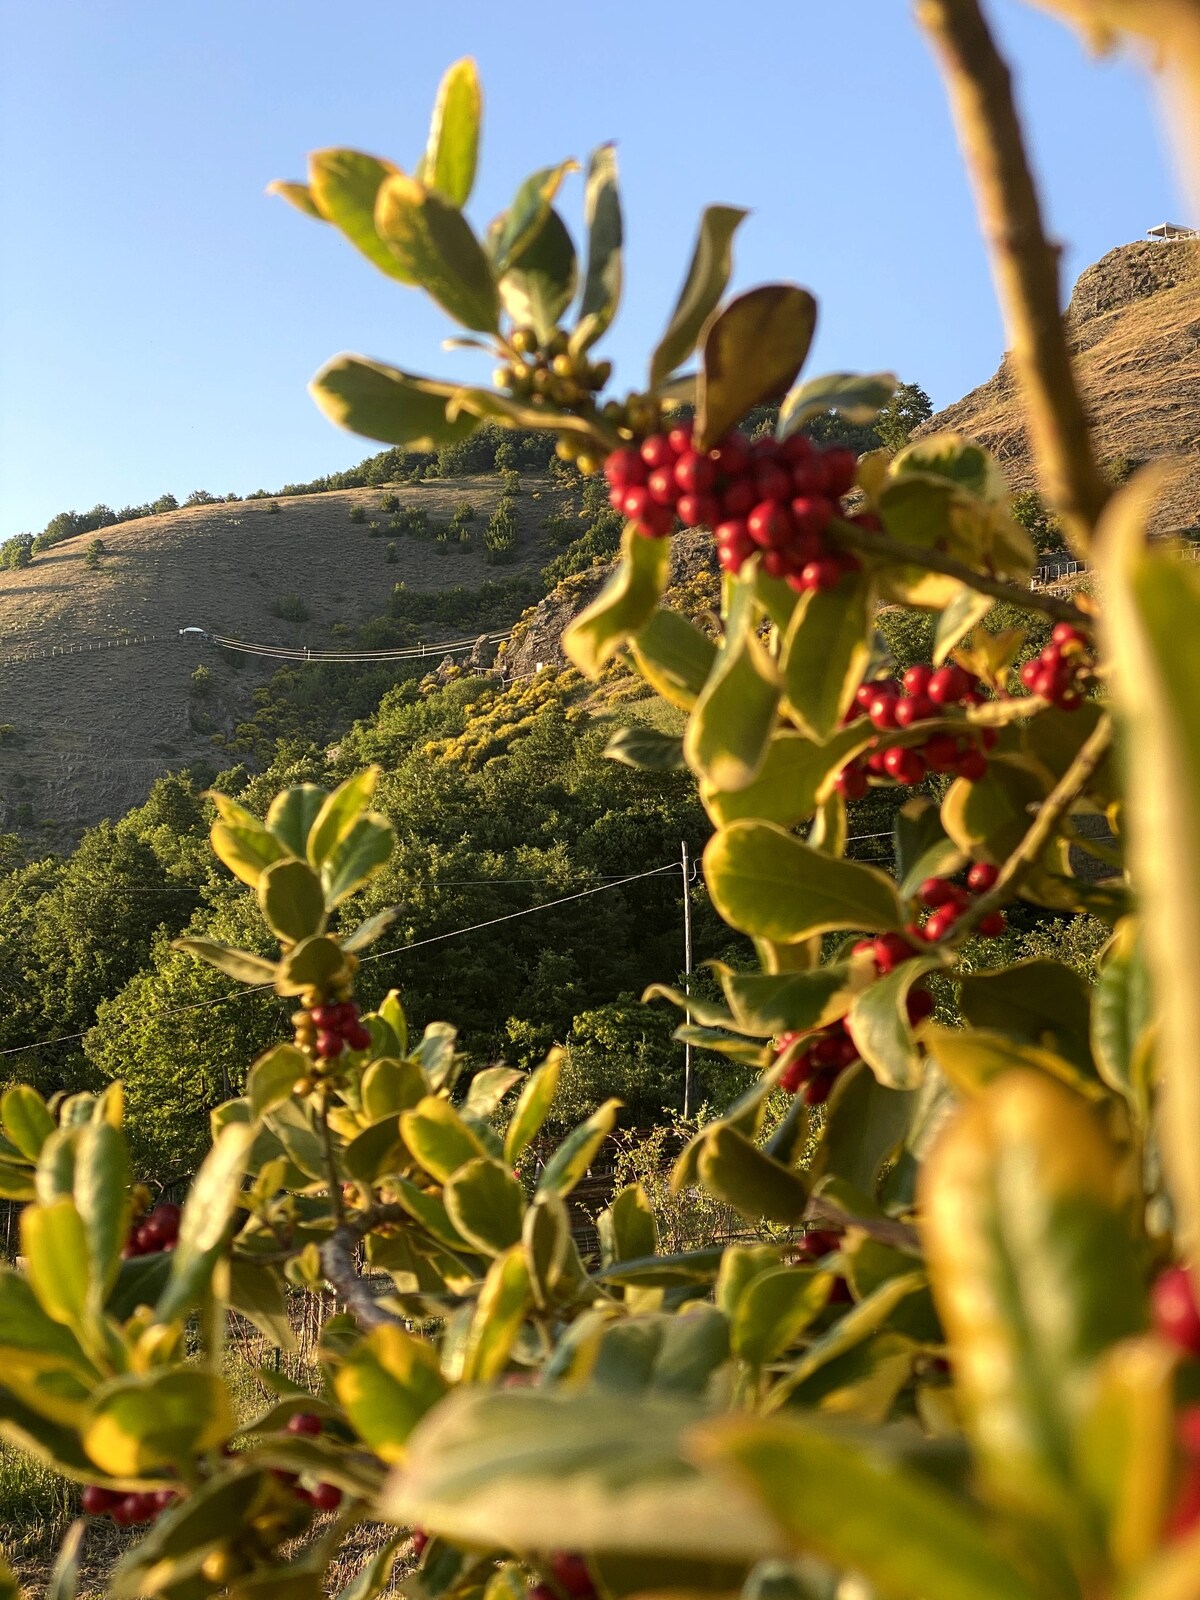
x=524, y=340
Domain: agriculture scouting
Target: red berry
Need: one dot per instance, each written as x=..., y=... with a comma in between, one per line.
x=875, y=763
x=811, y=513
x=657, y=452
x=164, y=1499
x=623, y=468
x=795, y=448
x=97, y=1500
x=325, y=1016
x=940, y=922
x=919, y=1005
x=699, y=510
x=1187, y=1430
x=680, y=438
x=982, y=877
x=795, y=1073
x=571, y=1574
x=636, y=503
x=139, y=1509
x=325, y=1497
x=731, y=455
x=906, y=766
x=818, y=1088
x=305, y=1422
x=1063, y=633
x=616, y=497
x=1174, y=1309
x=656, y=522
x=889, y=950
x=1028, y=673
x=541, y=1591
x=661, y=486
x=739, y=498
x=419, y=1539
x=817, y=1243
x=734, y=545
x=821, y=575
x=358, y=1037
x=948, y=685
x=971, y=765
x=914, y=708
x=769, y=524
x=1185, y=1512
x=936, y=892
x=993, y=925
x=329, y=1045
x=940, y=751
x=851, y=782
x=695, y=474
x=841, y=465
x=827, y=1051
x=916, y=679
x=772, y=481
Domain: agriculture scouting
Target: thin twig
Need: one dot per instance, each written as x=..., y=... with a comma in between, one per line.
x=337, y=1263
x=845, y=536
x=331, y=1171
x=1051, y=812
x=1024, y=262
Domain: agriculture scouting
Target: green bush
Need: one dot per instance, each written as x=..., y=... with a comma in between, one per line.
x=291, y=607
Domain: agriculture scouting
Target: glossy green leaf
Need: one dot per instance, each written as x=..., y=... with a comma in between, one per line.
x=102, y=1185
x=489, y=1087
x=624, y=605
x=674, y=657
x=578, y=1150
x=64, y=1578
x=257, y=1293
x=626, y=1226
x=517, y=228
x=359, y=854
x=291, y=814
x=539, y=283
x=485, y=1204
x=646, y=749
x=298, y=195
x=971, y=1058
x=1034, y=1272
x=316, y=963
x=383, y=403
x=752, y=351
x=344, y=186
x=856, y=1507
x=879, y=1025
x=707, y=275
x=856, y=396
x=435, y=1054
x=390, y=1086
x=546, y=1241
x=26, y=1121
x=766, y=1004
x=207, y=1214
x=55, y=1245
x=439, y=1138
x=1043, y=1002
x=435, y=247
x=733, y=1169
x=767, y=883
x=865, y=1123
x=292, y=901
x=387, y=1384
x=923, y=847
x=367, y=932
x=957, y=619
x=453, y=149
x=238, y=964
x=337, y=815
x=991, y=816
x=729, y=731
x=503, y=1302
x=1123, y=1019
x=602, y=276
x=533, y=1107
x=429, y=1211
x=775, y=1308
x=377, y=1152
x=825, y=653
x=792, y=781
x=142, y=1425
x=245, y=850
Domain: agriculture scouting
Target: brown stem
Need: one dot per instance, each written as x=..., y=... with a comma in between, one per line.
x=1024, y=262
x=331, y=1171
x=1051, y=812
x=337, y=1263
x=845, y=536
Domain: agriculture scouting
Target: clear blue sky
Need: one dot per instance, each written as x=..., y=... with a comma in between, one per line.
x=160, y=316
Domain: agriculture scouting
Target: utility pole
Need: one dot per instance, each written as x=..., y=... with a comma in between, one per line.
x=687, y=971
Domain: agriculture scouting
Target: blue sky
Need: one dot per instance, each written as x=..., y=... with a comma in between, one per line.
x=160, y=317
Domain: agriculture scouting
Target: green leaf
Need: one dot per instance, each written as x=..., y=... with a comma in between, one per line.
x=923, y=848
x=972, y=1057
x=674, y=657
x=957, y=619
x=540, y=282
x=503, y=1301
x=1123, y=1019
x=1033, y=1269
x=359, y=854
x=387, y=1384
x=344, y=186
x=453, y=149
x=711, y=264
x=826, y=651
x=428, y=1210
x=766, y=1004
x=767, y=883
x=207, y=1213
x=337, y=815
x=623, y=606
x=752, y=351
x=435, y=1053
x=26, y=1121
x=292, y=813
x=439, y=1138
x=247, y=851
x=102, y=1180
x=792, y=781
x=367, y=932
x=859, y=1509
x=858, y=397
x=646, y=749
x=729, y=731
x=1044, y=1002
x=377, y=1152
x=238, y=964
x=64, y=1579
x=575, y=1154
x=316, y=963
x=298, y=195
x=865, y=1123
x=390, y=1086
x=257, y=1293
x=435, y=247
x=384, y=403
x=55, y=1245
x=991, y=816
x=488, y=1088
x=546, y=1241
x=626, y=1226
x=602, y=278
x=485, y=1204
x=520, y=225
x=879, y=1025
x=734, y=1170
x=292, y=901
x=533, y=1107
x=141, y=1425
x=774, y=1309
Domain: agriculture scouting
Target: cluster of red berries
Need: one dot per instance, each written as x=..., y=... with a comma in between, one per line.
x=1177, y=1319
x=922, y=694
x=762, y=495
x=157, y=1230
x=325, y=1496
x=126, y=1510
x=338, y=1028
x=1057, y=674
x=947, y=901
x=571, y=1578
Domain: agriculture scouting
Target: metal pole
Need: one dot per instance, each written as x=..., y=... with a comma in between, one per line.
x=687, y=971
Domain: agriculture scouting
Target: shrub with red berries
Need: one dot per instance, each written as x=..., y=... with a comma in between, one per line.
x=131, y=1510
x=156, y=1231
x=774, y=498
x=330, y=1029
x=946, y=901
x=893, y=705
